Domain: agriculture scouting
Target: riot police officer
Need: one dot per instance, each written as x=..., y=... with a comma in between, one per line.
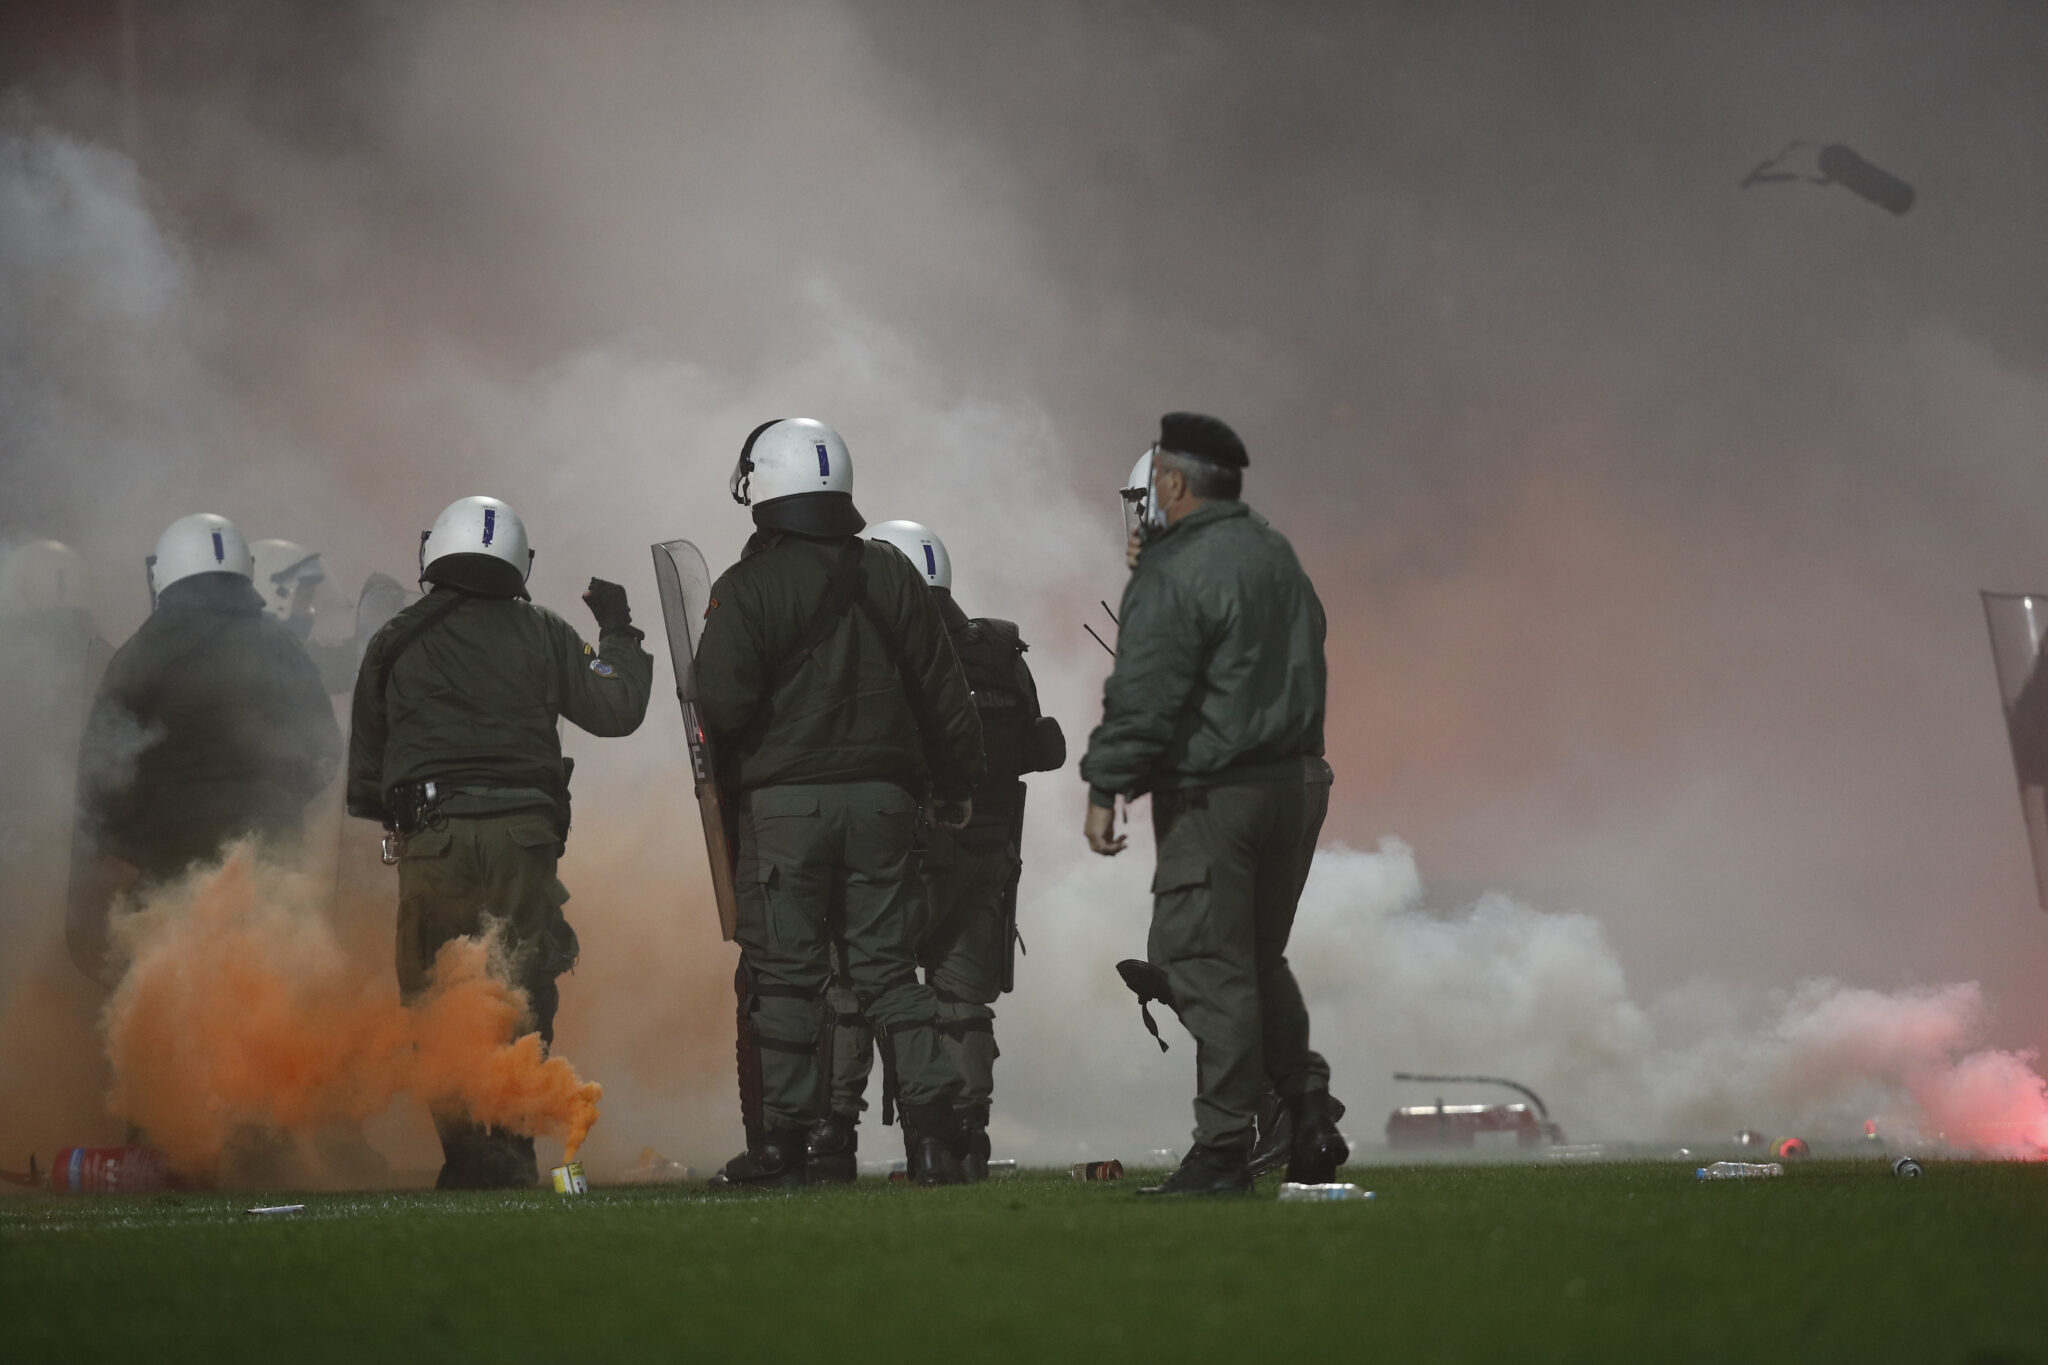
x=1215, y=707
x=210, y=725
x=970, y=877
x=826, y=677
x=454, y=747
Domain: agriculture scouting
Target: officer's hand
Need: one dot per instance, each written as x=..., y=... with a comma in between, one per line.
x=1134, y=547
x=952, y=817
x=1101, y=831
x=607, y=602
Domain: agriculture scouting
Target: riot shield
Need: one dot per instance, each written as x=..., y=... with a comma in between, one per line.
x=1011, y=938
x=361, y=878
x=2017, y=622
x=685, y=586
x=383, y=597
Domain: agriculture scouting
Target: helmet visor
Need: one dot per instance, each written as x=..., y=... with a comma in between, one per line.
x=1138, y=501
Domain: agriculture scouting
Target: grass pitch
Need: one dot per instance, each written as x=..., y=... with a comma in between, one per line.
x=1836, y=1261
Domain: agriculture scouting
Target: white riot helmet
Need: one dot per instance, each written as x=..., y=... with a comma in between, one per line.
x=41, y=575
x=478, y=545
x=796, y=475
x=200, y=543
x=1137, y=495
x=287, y=574
x=925, y=551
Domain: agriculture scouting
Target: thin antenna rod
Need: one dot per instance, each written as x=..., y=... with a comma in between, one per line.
x=1111, y=615
x=1098, y=639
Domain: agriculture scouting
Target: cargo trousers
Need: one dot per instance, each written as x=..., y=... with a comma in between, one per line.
x=827, y=862
x=1232, y=861
x=457, y=877
x=962, y=950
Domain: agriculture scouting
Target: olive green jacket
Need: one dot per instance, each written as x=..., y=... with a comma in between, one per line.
x=473, y=700
x=209, y=723
x=859, y=707
x=1219, y=671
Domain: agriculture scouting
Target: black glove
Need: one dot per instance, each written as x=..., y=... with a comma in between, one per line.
x=607, y=602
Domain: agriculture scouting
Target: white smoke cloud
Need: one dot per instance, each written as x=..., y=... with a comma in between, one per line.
x=100, y=336
x=1498, y=987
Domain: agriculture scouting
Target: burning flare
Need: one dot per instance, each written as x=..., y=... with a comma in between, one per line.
x=239, y=1011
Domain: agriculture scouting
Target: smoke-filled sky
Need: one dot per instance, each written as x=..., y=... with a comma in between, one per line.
x=1649, y=511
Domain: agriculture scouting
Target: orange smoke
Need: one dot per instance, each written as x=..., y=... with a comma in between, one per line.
x=239, y=1011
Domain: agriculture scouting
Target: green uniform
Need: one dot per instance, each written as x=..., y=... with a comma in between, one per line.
x=1215, y=707
x=831, y=724
x=210, y=723
x=967, y=876
x=464, y=692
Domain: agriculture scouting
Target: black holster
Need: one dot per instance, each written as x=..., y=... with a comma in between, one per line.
x=415, y=806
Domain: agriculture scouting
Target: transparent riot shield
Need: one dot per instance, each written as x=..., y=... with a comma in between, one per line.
x=364, y=884
x=685, y=585
x=2018, y=622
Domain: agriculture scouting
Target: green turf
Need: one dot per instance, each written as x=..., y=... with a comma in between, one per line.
x=1836, y=1261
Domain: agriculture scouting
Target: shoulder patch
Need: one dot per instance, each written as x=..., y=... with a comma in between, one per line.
x=602, y=669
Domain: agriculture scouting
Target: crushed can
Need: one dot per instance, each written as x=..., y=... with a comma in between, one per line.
x=109, y=1170
x=1097, y=1170
x=569, y=1179
x=1905, y=1168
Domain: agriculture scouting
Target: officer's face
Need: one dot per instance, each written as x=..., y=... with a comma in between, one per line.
x=1169, y=491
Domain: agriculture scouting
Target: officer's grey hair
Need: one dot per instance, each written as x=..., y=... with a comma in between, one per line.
x=1206, y=479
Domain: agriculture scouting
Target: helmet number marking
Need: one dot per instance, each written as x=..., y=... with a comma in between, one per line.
x=824, y=461
x=931, y=563
x=220, y=551
x=490, y=524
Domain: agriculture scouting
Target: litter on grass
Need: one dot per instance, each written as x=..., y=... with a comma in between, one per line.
x=1337, y=1193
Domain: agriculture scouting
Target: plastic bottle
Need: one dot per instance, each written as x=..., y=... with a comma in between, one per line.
x=1740, y=1170
x=1292, y=1193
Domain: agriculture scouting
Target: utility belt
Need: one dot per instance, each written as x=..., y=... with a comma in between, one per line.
x=417, y=806
x=1183, y=792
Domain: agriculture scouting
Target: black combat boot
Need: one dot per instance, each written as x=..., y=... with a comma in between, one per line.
x=480, y=1158
x=929, y=1134
x=776, y=1162
x=509, y=1162
x=830, y=1151
x=1319, y=1149
x=972, y=1144
x=1208, y=1170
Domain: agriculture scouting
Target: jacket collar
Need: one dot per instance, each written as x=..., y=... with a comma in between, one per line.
x=227, y=593
x=1207, y=515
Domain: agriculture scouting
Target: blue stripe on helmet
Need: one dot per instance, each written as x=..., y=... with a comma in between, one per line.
x=490, y=524
x=931, y=562
x=824, y=461
x=220, y=551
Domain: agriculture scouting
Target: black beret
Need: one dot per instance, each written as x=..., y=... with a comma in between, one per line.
x=1203, y=437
